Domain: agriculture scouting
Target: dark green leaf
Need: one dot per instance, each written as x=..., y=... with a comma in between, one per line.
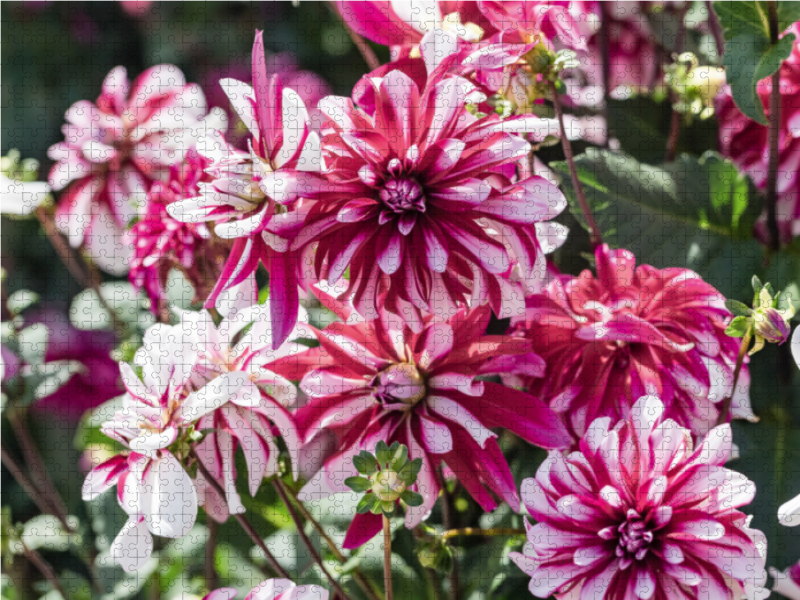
x=408, y=474
x=687, y=213
x=412, y=498
x=399, y=457
x=367, y=504
x=358, y=484
x=743, y=18
x=383, y=453
x=365, y=463
x=788, y=13
x=739, y=309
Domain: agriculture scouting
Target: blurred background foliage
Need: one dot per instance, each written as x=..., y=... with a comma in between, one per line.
x=54, y=54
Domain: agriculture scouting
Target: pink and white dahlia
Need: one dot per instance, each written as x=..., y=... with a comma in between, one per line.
x=116, y=147
x=747, y=143
x=255, y=413
x=639, y=513
x=251, y=192
x=421, y=202
x=630, y=331
x=372, y=381
x=274, y=589
x=157, y=495
x=545, y=21
x=402, y=25
x=787, y=582
x=161, y=243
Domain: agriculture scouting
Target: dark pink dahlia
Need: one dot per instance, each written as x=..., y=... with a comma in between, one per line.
x=161, y=243
x=378, y=380
x=639, y=513
x=421, y=201
x=629, y=331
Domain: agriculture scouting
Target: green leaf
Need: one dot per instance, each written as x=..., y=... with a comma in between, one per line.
x=750, y=55
x=365, y=463
x=740, y=309
x=757, y=285
x=358, y=484
x=408, y=474
x=383, y=453
x=412, y=498
x=399, y=457
x=367, y=504
x=739, y=18
x=696, y=213
x=738, y=327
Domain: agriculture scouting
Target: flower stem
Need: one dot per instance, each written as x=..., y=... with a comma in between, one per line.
x=19, y=476
x=726, y=403
x=360, y=43
x=387, y=557
x=36, y=466
x=84, y=272
x=716, y=30
x=281, y=489
x=495, y=531
x=596, y=236
x=45, y=568
x=364, y=582
x=212, y=579
x=447, y=517
x=774, y=136
x=675, y=121
x=241, y=519
x=605, y=57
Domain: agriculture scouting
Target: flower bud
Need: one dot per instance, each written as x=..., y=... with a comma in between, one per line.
x=388, y=486
x=771, y=325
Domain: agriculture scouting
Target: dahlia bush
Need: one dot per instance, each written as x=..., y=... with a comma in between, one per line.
x=466, y=300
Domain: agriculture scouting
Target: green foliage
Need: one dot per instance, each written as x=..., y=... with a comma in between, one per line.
x=750, y=55
x=695, y=212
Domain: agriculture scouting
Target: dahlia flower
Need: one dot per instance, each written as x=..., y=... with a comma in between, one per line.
x=787, y=583
x=249, y=188
x=629, y=331
x=274, y=589
x=638, y=512
x=372, y=381
x=747, y=143
x=246, y=419
x=156, y=493
x=525, y=22
x=789, y=512
x=115, y=148
x=420, y=201
x=161, y=243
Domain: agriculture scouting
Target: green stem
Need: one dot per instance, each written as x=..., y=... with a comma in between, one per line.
x=387, y=557
x=774, y=137
x=726, y=403
x=280, y=488
x=495, y=531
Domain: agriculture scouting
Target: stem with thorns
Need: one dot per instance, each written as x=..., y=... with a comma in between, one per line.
x=387, y=557
x=281, y=489
x=594, y=231
x=726, y=403
x=774, y=137
x=241, y=519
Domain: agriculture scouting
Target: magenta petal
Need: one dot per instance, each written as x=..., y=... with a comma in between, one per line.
x=362, y=529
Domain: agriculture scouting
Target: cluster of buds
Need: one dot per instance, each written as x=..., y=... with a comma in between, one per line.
x=388, y=476
x=765, y=321
x=528, y=83
x=694, y=86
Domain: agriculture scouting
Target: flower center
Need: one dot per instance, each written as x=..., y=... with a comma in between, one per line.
x=400, y=383
x=634, y=539
x=402, y=195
